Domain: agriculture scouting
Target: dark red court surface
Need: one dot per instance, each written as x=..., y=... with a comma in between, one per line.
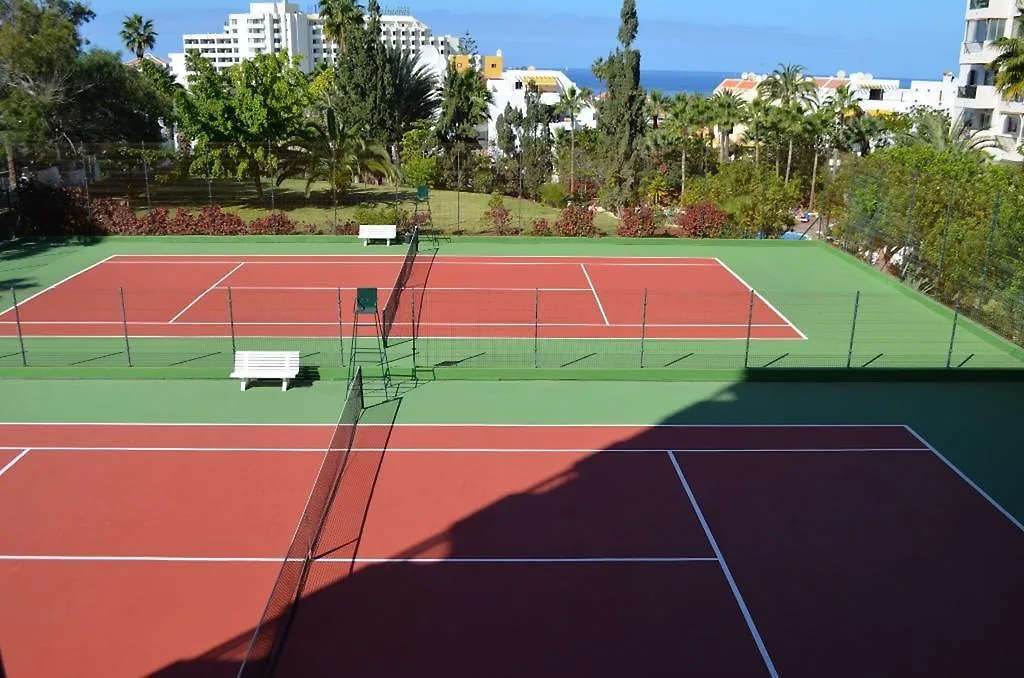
x=506, y=551
x=549, y=297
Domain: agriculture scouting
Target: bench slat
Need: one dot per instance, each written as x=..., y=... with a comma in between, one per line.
x=282, y=365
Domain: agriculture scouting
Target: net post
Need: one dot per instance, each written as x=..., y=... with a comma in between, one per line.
x=17, y=324
x=412, y=301
x=853, y=330
x=341, y=330
x=643, y=329
x=750, y=329
x=536, y=325
x=231, y=322
x=124, y=325
x=952, y=336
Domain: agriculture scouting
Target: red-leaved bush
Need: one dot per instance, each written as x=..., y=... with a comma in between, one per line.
x=638, y=222
x=583, y=190
x=275, y=223
x=576, y=221
x=541, y=227
x=703, y=220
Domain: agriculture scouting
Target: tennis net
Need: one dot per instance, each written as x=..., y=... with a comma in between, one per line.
x=268, y=638
x=391, y=307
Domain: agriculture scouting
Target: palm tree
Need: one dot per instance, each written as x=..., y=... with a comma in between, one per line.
x=861, y=134
x=682, y=118
x=137, y=34
x=791, y=124
x=657, y=106
x=571, y=103
x=1009, y=67
x=340, y=18
x=416, y=91
x=728, y=110
x=757, y=114
x=465, y=104
x=789, y=87
x=937, y=130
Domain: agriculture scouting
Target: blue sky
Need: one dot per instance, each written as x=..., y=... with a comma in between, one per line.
x=889, y=38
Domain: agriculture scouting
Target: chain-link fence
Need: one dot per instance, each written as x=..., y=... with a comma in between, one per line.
x=499, y=329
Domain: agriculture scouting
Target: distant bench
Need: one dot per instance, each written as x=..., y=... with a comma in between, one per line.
x=368, y=232
x=250, y=365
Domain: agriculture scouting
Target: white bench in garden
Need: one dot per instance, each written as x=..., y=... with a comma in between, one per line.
x=249, y=365
x=368, y=232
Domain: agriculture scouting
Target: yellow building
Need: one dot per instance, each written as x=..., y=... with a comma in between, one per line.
x=492, y=66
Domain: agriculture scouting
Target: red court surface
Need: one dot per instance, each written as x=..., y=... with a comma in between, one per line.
x=131, y=550
x=448, y=296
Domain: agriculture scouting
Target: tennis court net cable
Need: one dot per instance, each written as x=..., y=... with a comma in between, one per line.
x=268, y=637
x=392, y=305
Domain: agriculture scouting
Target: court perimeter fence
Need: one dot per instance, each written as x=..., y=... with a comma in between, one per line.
x=507, y=329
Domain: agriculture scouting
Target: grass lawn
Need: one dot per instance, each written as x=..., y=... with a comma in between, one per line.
x=452, y=212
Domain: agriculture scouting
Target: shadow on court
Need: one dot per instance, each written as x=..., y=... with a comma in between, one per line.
x=842, y=561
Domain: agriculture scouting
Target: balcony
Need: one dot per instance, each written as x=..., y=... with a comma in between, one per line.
x=978, y=53
x=977, y=96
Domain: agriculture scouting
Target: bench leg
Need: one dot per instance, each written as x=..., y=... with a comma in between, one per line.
x=366, y=242
x=284, y=384
x=245, y=384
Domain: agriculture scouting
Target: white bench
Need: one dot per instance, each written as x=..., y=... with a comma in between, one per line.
x=368, y=232
x=249, y=365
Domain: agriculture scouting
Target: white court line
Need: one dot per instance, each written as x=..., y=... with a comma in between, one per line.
x=759, y=296
x=725, y=569
x=243, y=559
x=479, y=450
x=429, y=289
x=465, y=424
x=596, y=298
x=963, y=476
x=207, y=291
x=22, y=302
x=14, y=461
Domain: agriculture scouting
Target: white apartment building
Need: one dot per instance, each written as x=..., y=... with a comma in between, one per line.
x=983, y=109
x=270, y=27
x=510, y=90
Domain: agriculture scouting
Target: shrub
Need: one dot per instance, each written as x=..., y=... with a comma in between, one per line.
x=541, y=227
x=703, y=220
x=576, y=221
x=583, y=190
x=275, y=223
x=114, y=217
x=498, y=217
x=554, y=195
x=638, y=222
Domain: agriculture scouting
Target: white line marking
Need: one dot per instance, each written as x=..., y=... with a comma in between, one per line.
x=370, y=561
x=596, y=298
x=725, y=568
x=758, y=295
x=14, y=461
x=483, y=450
x=1009, y=516
x=207, y=291
x=22, y=302
x=464, y=424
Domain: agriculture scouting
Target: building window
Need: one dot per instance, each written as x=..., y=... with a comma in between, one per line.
x=1012, y=125
x=978, y=4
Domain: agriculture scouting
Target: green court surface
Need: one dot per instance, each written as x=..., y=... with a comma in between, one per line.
x=852, y=315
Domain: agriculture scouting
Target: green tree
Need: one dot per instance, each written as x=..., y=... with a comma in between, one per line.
x=465, y=105
x=790, y=88
x=468, y=46
x=622, y=119
x=1009, y=66
x=138, y=35
x=536, y=144
x=571, y=103
x=682, y=119
x=756, y=118
x=364, y=80
x=935, y=128
x=420, y=165
x=340, y=19
x=236, y=120
x=657, y=107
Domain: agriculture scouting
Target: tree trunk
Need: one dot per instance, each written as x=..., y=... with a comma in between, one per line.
x=814, y=179
x=12, y=169
x=572, y=156
x=789, y=161
x=254, y=174
x=757, y=148
x=682, y=172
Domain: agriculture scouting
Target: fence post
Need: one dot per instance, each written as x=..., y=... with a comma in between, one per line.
x=945, y=236
x=145, y=174
x=750, y=328
x=124, y=324
x=643, y=329
x=988, y=255
x=952, y=336
x=231, y=322
x=536, y=325
x=341, y=331
x=17, y=323
x=853, y=330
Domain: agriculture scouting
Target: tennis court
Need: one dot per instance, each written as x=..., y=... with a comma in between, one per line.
x=447, y=296
x=134, y=549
